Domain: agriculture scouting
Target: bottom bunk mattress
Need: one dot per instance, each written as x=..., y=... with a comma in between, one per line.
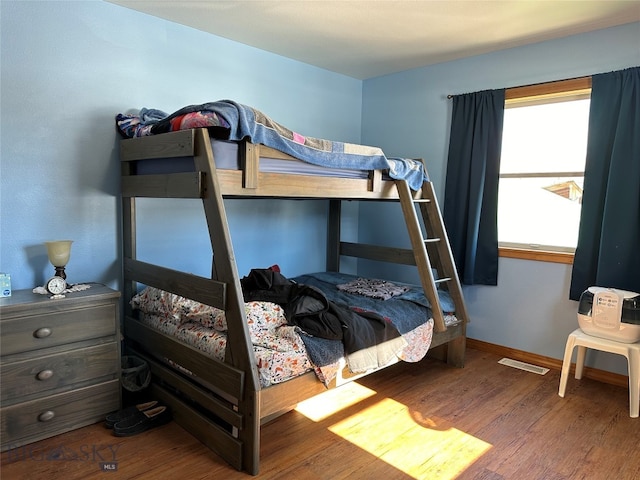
x=284, y=351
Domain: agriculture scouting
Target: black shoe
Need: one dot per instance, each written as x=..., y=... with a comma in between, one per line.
x=142, y=421
x=116, y=417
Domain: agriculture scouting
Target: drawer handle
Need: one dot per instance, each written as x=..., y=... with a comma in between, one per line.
x=46, y=416
x=43, y=332
x=44, y=374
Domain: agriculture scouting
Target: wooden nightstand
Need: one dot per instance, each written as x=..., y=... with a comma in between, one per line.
x=59, y=364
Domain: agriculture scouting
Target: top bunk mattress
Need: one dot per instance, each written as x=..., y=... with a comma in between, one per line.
x=226, y=157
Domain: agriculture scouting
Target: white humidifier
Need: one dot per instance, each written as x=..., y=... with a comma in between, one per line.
x=610, y=313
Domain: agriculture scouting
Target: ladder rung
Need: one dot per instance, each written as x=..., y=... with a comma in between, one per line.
x=443, y=280
x=431, y=240
x=421, y=200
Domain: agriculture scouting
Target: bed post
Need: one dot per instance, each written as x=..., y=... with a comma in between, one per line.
x=128, y=238
x=333, y=236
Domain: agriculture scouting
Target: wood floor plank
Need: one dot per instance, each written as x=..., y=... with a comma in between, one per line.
x=427, y=421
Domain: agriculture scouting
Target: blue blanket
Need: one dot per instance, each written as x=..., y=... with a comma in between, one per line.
x=406, y=311
x=248, y=123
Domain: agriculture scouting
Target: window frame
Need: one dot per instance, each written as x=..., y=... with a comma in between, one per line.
x=540, y=93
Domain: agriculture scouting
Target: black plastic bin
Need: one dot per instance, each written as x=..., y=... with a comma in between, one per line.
x=135, y=373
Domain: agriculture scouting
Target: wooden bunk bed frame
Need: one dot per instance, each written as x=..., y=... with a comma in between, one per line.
x=225, y=407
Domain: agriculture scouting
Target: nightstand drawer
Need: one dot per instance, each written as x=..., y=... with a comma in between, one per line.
x=30, y=421
x=52, y=373
x=58, y=328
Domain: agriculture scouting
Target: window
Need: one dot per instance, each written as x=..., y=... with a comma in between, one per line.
x=542, y=169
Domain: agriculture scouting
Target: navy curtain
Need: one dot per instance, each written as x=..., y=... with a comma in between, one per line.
x=471, y=193
x=608, y=250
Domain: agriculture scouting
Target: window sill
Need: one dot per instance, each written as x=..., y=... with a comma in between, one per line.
x=536, y=255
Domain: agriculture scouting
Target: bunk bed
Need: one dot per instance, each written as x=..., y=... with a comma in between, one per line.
x=203, y=152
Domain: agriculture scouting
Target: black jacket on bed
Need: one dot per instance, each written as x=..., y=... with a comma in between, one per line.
x=309, y=309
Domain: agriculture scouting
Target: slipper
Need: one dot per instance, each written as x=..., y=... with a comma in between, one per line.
x=142, y=421
x=116, y=417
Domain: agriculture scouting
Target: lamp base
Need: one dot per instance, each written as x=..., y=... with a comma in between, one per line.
x=60, y=272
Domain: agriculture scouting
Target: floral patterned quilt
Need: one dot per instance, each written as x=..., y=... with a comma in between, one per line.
x=279, y=350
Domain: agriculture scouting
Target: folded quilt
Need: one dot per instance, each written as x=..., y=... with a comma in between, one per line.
x=373, y=288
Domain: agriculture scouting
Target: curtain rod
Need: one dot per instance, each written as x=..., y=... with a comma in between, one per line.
x=584, y=77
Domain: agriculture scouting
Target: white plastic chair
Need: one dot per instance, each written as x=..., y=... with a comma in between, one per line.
x=583, y=341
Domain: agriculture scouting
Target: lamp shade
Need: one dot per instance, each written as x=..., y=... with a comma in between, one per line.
x=59, y=252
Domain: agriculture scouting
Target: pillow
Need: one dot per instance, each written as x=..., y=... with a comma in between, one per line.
x=154, y=301
x=177, y=309
x=206, y=315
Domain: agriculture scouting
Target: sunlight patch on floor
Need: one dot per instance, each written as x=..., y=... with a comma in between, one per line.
x=420, y=447
x=326, y=404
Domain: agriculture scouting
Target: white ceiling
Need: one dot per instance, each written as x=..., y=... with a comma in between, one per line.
x=365, y=39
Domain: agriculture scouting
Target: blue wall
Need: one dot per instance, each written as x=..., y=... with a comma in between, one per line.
x=69, y=67
x=409, y=114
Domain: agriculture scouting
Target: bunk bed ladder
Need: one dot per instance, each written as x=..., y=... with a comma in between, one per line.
x=432, y=251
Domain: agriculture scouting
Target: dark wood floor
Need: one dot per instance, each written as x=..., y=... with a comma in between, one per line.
x=428, y=421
